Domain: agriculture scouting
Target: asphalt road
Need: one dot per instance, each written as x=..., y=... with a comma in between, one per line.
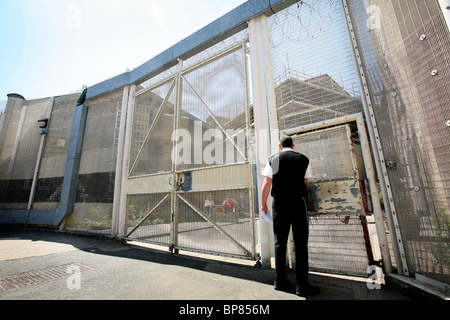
x=42, y=265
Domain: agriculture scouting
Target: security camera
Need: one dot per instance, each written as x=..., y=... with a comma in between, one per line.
x=43, y=123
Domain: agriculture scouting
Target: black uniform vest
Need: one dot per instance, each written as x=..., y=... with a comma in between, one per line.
x=288, y=181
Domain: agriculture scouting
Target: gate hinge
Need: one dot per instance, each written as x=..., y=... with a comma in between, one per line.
x=258, y=263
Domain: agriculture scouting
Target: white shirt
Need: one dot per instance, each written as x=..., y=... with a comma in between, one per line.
x=267, y=172
x=209, y=203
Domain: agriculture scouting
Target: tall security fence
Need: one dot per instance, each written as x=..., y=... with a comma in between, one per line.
x=34, y=146
x=96, y=178
x=171, y=152
x=405, y=53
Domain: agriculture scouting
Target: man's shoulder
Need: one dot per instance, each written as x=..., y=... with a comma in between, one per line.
x=272, y=157
x=292, y=153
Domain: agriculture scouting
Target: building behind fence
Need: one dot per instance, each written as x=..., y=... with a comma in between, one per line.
x=106, y=164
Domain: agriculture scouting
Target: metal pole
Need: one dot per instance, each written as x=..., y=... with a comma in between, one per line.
x=39, y=156
x=126, y=160
x=265, y=115
x=173, y=204
x=371, y=177
x=119, y=163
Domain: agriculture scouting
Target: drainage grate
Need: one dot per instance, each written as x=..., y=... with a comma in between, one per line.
x=40, y=276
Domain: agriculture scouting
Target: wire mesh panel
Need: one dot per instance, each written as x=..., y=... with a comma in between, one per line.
x=312, y=64
x=6, y=161
x=150, y=213
x=95, y=189
x=218, y=221
x=405, y=46
x=149, y=218
x=19, y=153
x=214, y=109
x=338, y=240
x=329, y=152
x=336, y=244
x=53, y=163
x=153, y=125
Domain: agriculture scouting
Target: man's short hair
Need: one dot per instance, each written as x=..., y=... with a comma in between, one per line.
x=286, y=142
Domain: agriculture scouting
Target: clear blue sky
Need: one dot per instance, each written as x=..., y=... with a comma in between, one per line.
x=53, y=47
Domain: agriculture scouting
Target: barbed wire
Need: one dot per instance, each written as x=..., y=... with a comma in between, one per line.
x=304, y=21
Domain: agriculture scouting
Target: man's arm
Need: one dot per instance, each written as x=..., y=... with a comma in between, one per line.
x=308, y=174
x=267, y=183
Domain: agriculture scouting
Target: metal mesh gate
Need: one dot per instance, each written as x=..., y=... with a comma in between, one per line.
x=338, y=240
x=315, y=81
x=190, y=182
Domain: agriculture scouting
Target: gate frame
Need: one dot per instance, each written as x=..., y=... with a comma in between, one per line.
x=370, y=172
x=174, y=194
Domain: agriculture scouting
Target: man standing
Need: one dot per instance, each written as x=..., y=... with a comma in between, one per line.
x=285, y=173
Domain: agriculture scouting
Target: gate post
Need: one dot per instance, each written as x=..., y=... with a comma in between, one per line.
x=119, y=165
x=265, y=116
x=122, y=223
x=381, y=232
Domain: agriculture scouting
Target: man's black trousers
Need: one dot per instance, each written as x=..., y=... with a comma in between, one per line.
x=287, y=213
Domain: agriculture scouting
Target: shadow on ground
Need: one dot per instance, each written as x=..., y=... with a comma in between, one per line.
x=333, y=287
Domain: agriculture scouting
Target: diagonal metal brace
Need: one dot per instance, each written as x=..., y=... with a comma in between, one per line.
x=215, y=226
x=149, y=214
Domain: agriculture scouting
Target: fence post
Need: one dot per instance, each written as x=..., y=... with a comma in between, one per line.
x=265, y=115
x=119, y=164
x=123, y=194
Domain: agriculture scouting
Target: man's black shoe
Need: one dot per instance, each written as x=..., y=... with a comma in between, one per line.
x=308, y=290
x=282, y=285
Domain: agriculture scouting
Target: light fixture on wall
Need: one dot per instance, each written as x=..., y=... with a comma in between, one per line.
x=43, y=124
